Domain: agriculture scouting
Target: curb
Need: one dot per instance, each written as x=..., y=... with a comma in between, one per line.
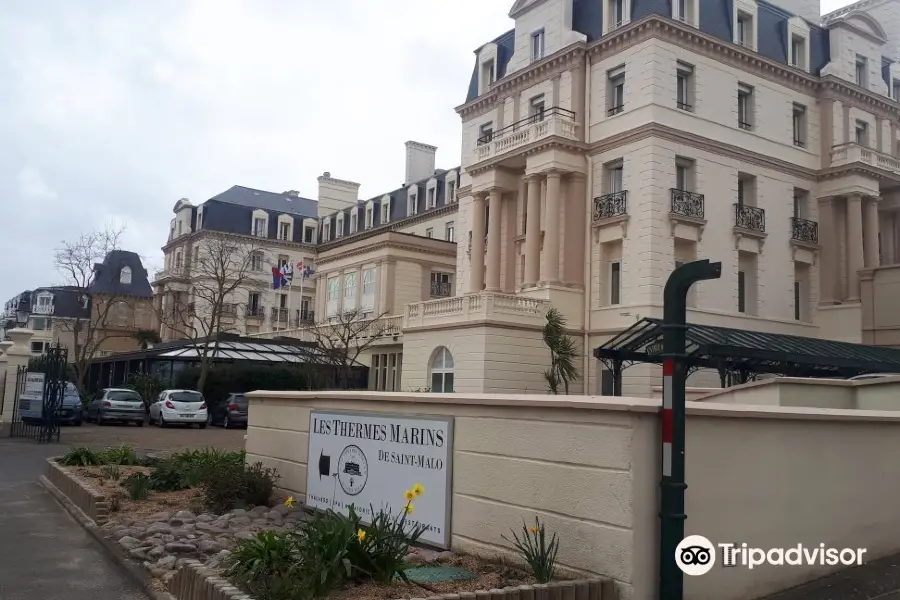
x=138, y=575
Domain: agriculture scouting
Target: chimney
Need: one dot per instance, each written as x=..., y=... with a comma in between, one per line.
x=336, y=194
x=419, y=161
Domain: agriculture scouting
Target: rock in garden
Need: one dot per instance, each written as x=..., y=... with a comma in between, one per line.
x=182, y=517
x=211, y=528
x=208, y=546
x=282, y=509
x=239, y=522
x=160, y=516
x=205, y=518
x=238, y=512
x=274, y=517
x=138, y=554
x=166, y=562
x=180, y=547
x=243, y=535
x=157, y=552
x=259, y=511
x=159, y=527
x=129, y=542
x=168, y=576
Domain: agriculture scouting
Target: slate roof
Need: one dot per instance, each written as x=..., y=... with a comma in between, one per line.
x=106, y=276
x=279, y=203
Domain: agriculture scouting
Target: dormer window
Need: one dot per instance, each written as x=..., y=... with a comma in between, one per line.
x=896, y=90
x=385, y=209
x=309, y=234
x=616, y=14
x=431, y=195
x=284, y=231
x=798, y=52
x=744, y=30
x=326, y=230
x=862, y=70
x=412, y=203
x=450, y=191
x=537, y=45
x=125, y=275
x=259, y=227
x=370, y=216
x=339, y=228
x=685, y=11
x=353, y=223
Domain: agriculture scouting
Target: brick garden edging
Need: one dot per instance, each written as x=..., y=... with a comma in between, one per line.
x=91, y=502
x=195, y=582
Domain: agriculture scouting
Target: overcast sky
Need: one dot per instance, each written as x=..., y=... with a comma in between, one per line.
x=112, y=110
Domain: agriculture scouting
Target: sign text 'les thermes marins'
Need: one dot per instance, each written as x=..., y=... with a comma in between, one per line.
x=391, y=432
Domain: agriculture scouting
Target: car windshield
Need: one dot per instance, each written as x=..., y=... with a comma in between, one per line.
x=186, y=396
x=123, y=396
x=239, y=400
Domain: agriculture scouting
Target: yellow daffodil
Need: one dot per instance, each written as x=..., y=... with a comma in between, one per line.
x=418, y=489
x=361, y=535
x=409, y=495
x=289, y=501
x=410, y=508
x=532, y=529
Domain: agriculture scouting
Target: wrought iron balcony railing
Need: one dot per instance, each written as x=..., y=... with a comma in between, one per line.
x=687, y=204
x=749, y=217
x=255, y=312
x=440, y=289
x=804, y=230
x=304, y=317
x=611, y=205
x=229, y=310
x=279, y=314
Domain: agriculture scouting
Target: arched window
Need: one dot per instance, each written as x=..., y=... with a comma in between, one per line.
x=125, y=275
x=442, y=371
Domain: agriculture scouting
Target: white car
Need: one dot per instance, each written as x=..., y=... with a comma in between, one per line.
x=179, y=407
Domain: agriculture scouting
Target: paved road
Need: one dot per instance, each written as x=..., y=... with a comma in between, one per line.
x=44, y=553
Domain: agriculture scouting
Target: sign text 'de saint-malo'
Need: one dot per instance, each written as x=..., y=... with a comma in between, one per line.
x=368, y=460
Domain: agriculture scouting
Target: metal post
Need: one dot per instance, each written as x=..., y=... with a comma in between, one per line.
x=672, y=483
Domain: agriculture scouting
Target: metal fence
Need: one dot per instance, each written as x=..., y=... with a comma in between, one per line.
x=38, y=397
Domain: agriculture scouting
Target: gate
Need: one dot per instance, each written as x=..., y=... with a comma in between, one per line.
x=39, y=396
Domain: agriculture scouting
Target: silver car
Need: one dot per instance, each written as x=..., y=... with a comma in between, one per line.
x=117, y=405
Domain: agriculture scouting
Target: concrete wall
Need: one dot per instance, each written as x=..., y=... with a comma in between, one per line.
x=589, y=467
x=866, y=394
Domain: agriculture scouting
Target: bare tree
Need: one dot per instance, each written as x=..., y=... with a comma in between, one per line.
x=90, y=325
x=221, y=268
x=344, y=337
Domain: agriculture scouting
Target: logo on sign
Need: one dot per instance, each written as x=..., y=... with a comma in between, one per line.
x=353, y=470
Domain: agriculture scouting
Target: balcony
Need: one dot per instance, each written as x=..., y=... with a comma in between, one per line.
x=255, y=312
x=387, y=327
x=846, y=154
x=551, y=122
x=179, y=271
x=279, y=315
x=477, y=307
x=42, y=309
x=749, y=218
x=611, y=206
x=804, y=231
x=303, y=317
x=440, y=289
x=687, y=204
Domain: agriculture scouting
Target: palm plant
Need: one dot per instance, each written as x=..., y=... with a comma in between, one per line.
x=145, y=337
x=563, y=353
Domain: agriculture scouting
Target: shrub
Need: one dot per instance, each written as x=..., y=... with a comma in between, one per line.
x=237, y=486
x=326, y=543
x=267, y=565
x=120, y=455
x=138, y=486
x=167, y=477
x=113, y=472
x=82, y=457
x=196, y=464
x=533, y=547
x=260, y=484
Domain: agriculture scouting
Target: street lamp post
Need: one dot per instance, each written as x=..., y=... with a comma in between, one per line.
x=22, y=317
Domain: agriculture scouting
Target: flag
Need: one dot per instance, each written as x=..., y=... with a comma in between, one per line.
x=287, y=273
x=305, y=270
x=278, y=279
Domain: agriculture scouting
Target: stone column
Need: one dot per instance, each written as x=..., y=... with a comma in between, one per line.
x=870, y=233
x=887, y=232
x=893, y=141
x=533, y=232
x=828, y=248
x=493, y=245
x=854, y=245
x=551, y=244
x=17, y=355
x=476, y=273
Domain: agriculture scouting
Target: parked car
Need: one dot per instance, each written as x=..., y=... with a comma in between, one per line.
x=117, y=405
x=230, y=413
x=185, y=407
x=72, y=409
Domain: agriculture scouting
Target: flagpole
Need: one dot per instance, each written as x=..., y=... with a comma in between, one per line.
x=290, y=293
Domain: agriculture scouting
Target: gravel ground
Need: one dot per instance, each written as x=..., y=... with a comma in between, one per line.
x=150, y=438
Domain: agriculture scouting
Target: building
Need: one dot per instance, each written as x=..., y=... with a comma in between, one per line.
x=107, y=315
x=371, y=256
x=595, y=132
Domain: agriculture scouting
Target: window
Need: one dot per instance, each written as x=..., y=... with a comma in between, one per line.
x=412, y=204
x=196, y=254
x=440, y=285
x=429, y=233
x=284, y=230
x=282, y=301
x=616, y=100
x=369, y=282
x=259, y=227
x=370, y=217
x=385, y=210
x=798, y=52
x=45, y=301
x=537, y=45
x=537, y=108
x=614, y=178
x=326, y=231
x=308, y=234
x=862, y=133
x=333, y=289
x=862, y=70
x=617, y=13
x=684, y=11
x=37, y=347
x=350, y=285
x=896, y=89
x=684, y=174
x=746, y=190
x=449, y=232
x=615, y=283
x=745, y=106
x=742, y=291
x=684, y=86
x=485, y=133
x=339, y=226
x=432, y=197
x=451, y=192
x=253, y=305
x=487, y=73
x=796, y=300
x=442, y=371
x=799, y=123
x=283, y=261
x=178, y=260
x=744, y=35
x=800, y=202
x=125, y=275
x=256, y=261
x=353, y=223
x=385, y=372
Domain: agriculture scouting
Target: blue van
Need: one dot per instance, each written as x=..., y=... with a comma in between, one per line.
x=70, y=412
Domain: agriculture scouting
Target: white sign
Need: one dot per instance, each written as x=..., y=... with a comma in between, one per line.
x=31, y=398
x=369, y=460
